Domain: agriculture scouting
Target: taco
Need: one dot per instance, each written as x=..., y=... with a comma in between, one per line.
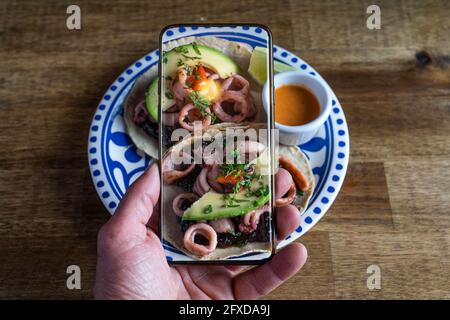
x=215, y=209
x=204, y=79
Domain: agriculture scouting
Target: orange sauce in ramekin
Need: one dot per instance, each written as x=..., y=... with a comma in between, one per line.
x=295, y=105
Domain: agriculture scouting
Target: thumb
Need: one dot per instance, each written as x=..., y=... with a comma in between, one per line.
x=136, y=207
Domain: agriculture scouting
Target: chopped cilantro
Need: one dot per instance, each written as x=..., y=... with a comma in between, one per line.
x=181, y=49
x=213, y=118
x=247, y=183
x=235, y=169
x=229, y=199
x=237, y=186
x=248, y=193
x=188, y=69
x=261, y=191
x=169, y=95
x=208, y=209
x=200, y=101
x=190, y=57
x=196, y=49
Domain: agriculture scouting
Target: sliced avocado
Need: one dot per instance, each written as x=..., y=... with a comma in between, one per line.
x=191, y=55
x=212, y=205
x=258, y=65
x=151, y=100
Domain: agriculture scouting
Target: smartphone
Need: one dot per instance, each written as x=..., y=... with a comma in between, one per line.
x=216, y=144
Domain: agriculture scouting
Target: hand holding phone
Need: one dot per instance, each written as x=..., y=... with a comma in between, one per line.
x=216, y=148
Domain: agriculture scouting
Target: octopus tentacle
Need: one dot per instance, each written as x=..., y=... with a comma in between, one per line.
x=172, y=171
x=284, y=201
x=236, y=83
x=240, y=107
x=179, y=200
x=206, y=231
x=213, y=76
x=298, y=176
x=179, y=89
x=249, y=221
x=201, y=185
x=252, y=110
x=187, y=110
x=140, y=113
x=212, y=175
x=170, y=118
x=222, y=225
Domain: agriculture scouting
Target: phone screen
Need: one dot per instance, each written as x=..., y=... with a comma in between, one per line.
x=216, y=149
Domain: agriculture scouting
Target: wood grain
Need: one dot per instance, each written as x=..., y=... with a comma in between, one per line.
x=393, y=83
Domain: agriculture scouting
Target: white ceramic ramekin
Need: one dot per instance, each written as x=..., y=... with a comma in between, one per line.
x=296, y=135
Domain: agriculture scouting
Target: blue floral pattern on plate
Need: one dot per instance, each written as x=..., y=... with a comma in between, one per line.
x=115, y=162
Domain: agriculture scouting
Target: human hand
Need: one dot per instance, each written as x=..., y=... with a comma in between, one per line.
x=131, y=263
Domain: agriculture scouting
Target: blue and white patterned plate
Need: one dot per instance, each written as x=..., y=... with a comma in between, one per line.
x=115, y=162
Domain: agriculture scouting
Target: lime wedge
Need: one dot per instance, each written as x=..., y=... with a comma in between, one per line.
x=281, y=67
x=258, y=65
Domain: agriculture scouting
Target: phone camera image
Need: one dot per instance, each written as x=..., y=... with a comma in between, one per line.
x=216, y=146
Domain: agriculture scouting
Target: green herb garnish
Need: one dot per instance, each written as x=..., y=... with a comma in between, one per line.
x=231, y=205
x=208, y=209
x=181, y=49
x=180, y=62
x=188, y=69
x=229, y=199
x=263, y=190
x=235, y=169
x=169, y=95
x=213, y=118
x=247, y=183
x=200, y=101
x=237, y=186
x=248, y=193
x=190, y=57
x=196, y=49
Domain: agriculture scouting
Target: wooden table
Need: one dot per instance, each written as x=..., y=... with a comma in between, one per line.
x=393, y=83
